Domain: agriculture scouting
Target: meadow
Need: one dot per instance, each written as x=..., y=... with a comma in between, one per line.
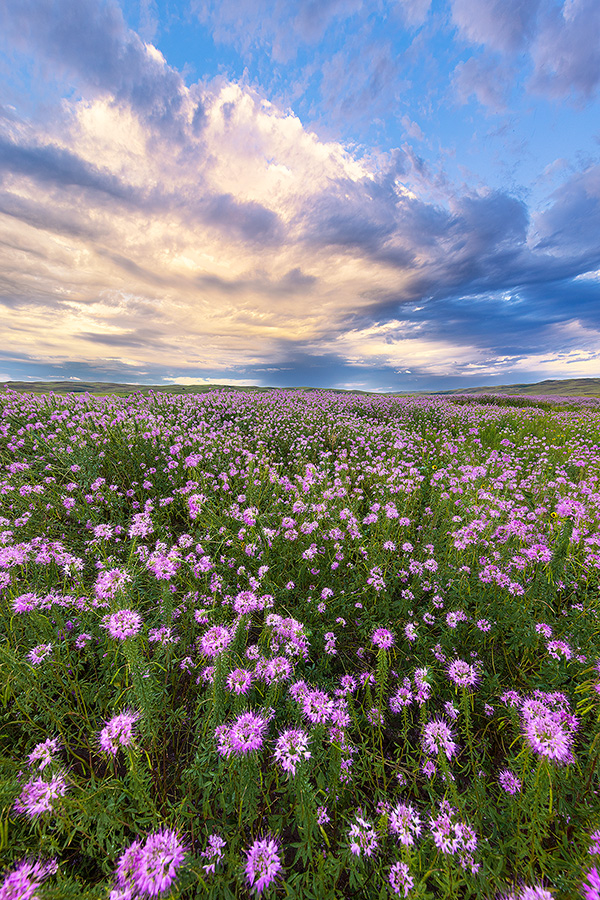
x=299, y=645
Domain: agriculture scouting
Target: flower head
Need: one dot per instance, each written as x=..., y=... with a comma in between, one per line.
x=44, y=753
x=122, y=624
x=591, y=885
x=262, y=864
x=400, y=880
x=24, y=880
x=462, y=674
x=245, y=734
x=214, y=851
x=37, y=795
x=150, y=869
x=118, y=732
x=509, y=782
x=157, y=862
x=215, y=640
x=239, y=681
x=291, y=748
x=382, y=638
x=39, y=653
x=437, y=738
x=405, y=823
x=363, y=838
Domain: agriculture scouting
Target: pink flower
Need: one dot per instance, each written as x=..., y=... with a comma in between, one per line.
x=462, y=674
x=123, y=624
x=363, y=838
x=118, y=732
x=215, y=640
x=591, y=886
x=382, y=638
x=244, y=735
x=37, y=795
x=405, y=823
x=263, y=864
x=291, y=748
x=437, y=738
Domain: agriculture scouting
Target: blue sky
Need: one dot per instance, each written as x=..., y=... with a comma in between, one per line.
x=373, y=194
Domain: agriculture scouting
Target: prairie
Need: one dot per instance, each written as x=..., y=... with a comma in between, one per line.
x=299, y=644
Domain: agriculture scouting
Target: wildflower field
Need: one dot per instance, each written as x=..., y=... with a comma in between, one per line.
x=299, y=645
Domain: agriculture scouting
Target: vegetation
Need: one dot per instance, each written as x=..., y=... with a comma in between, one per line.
x=299, y=645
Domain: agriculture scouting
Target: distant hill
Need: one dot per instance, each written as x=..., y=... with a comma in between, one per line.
x=565, y=387
x=557, y=387
x=109, y=388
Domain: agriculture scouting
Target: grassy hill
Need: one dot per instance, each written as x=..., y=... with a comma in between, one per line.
x=563, y=387
x=557, y=387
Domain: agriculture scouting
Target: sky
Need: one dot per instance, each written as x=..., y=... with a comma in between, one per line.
x=382, y=195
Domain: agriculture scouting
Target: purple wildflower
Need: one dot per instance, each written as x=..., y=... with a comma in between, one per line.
x=549, y=738
x=215, y=640
x=452, y=836
x=509, y=782
x=122, y=624
x=316, y=706
x=37, y=795
x=214, y=851
x=277, y=669
x=400, y=880
x=118, y=732
x=437, y=737
x=462, y=674
x=402, y=698
x=382, y=638
x=23, y=881
x=157, y=862
x=262, y=864
x=44, y=753
x=535, y=893
x=239, y=681
x=595, y=842
x=291, y=748
x=405, y=823
x=244, y=735
x=591, y=886
x=363, y=838
x=127, y=865
x=39, y=653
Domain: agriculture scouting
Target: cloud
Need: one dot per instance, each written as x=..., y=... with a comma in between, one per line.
x=360, y=81
x=282, y=27
x=566, y=51
x=504, y=25
x=414, y=12
x=90, y=40
x=484, y=78
x=58, y=166
x=570, y=226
